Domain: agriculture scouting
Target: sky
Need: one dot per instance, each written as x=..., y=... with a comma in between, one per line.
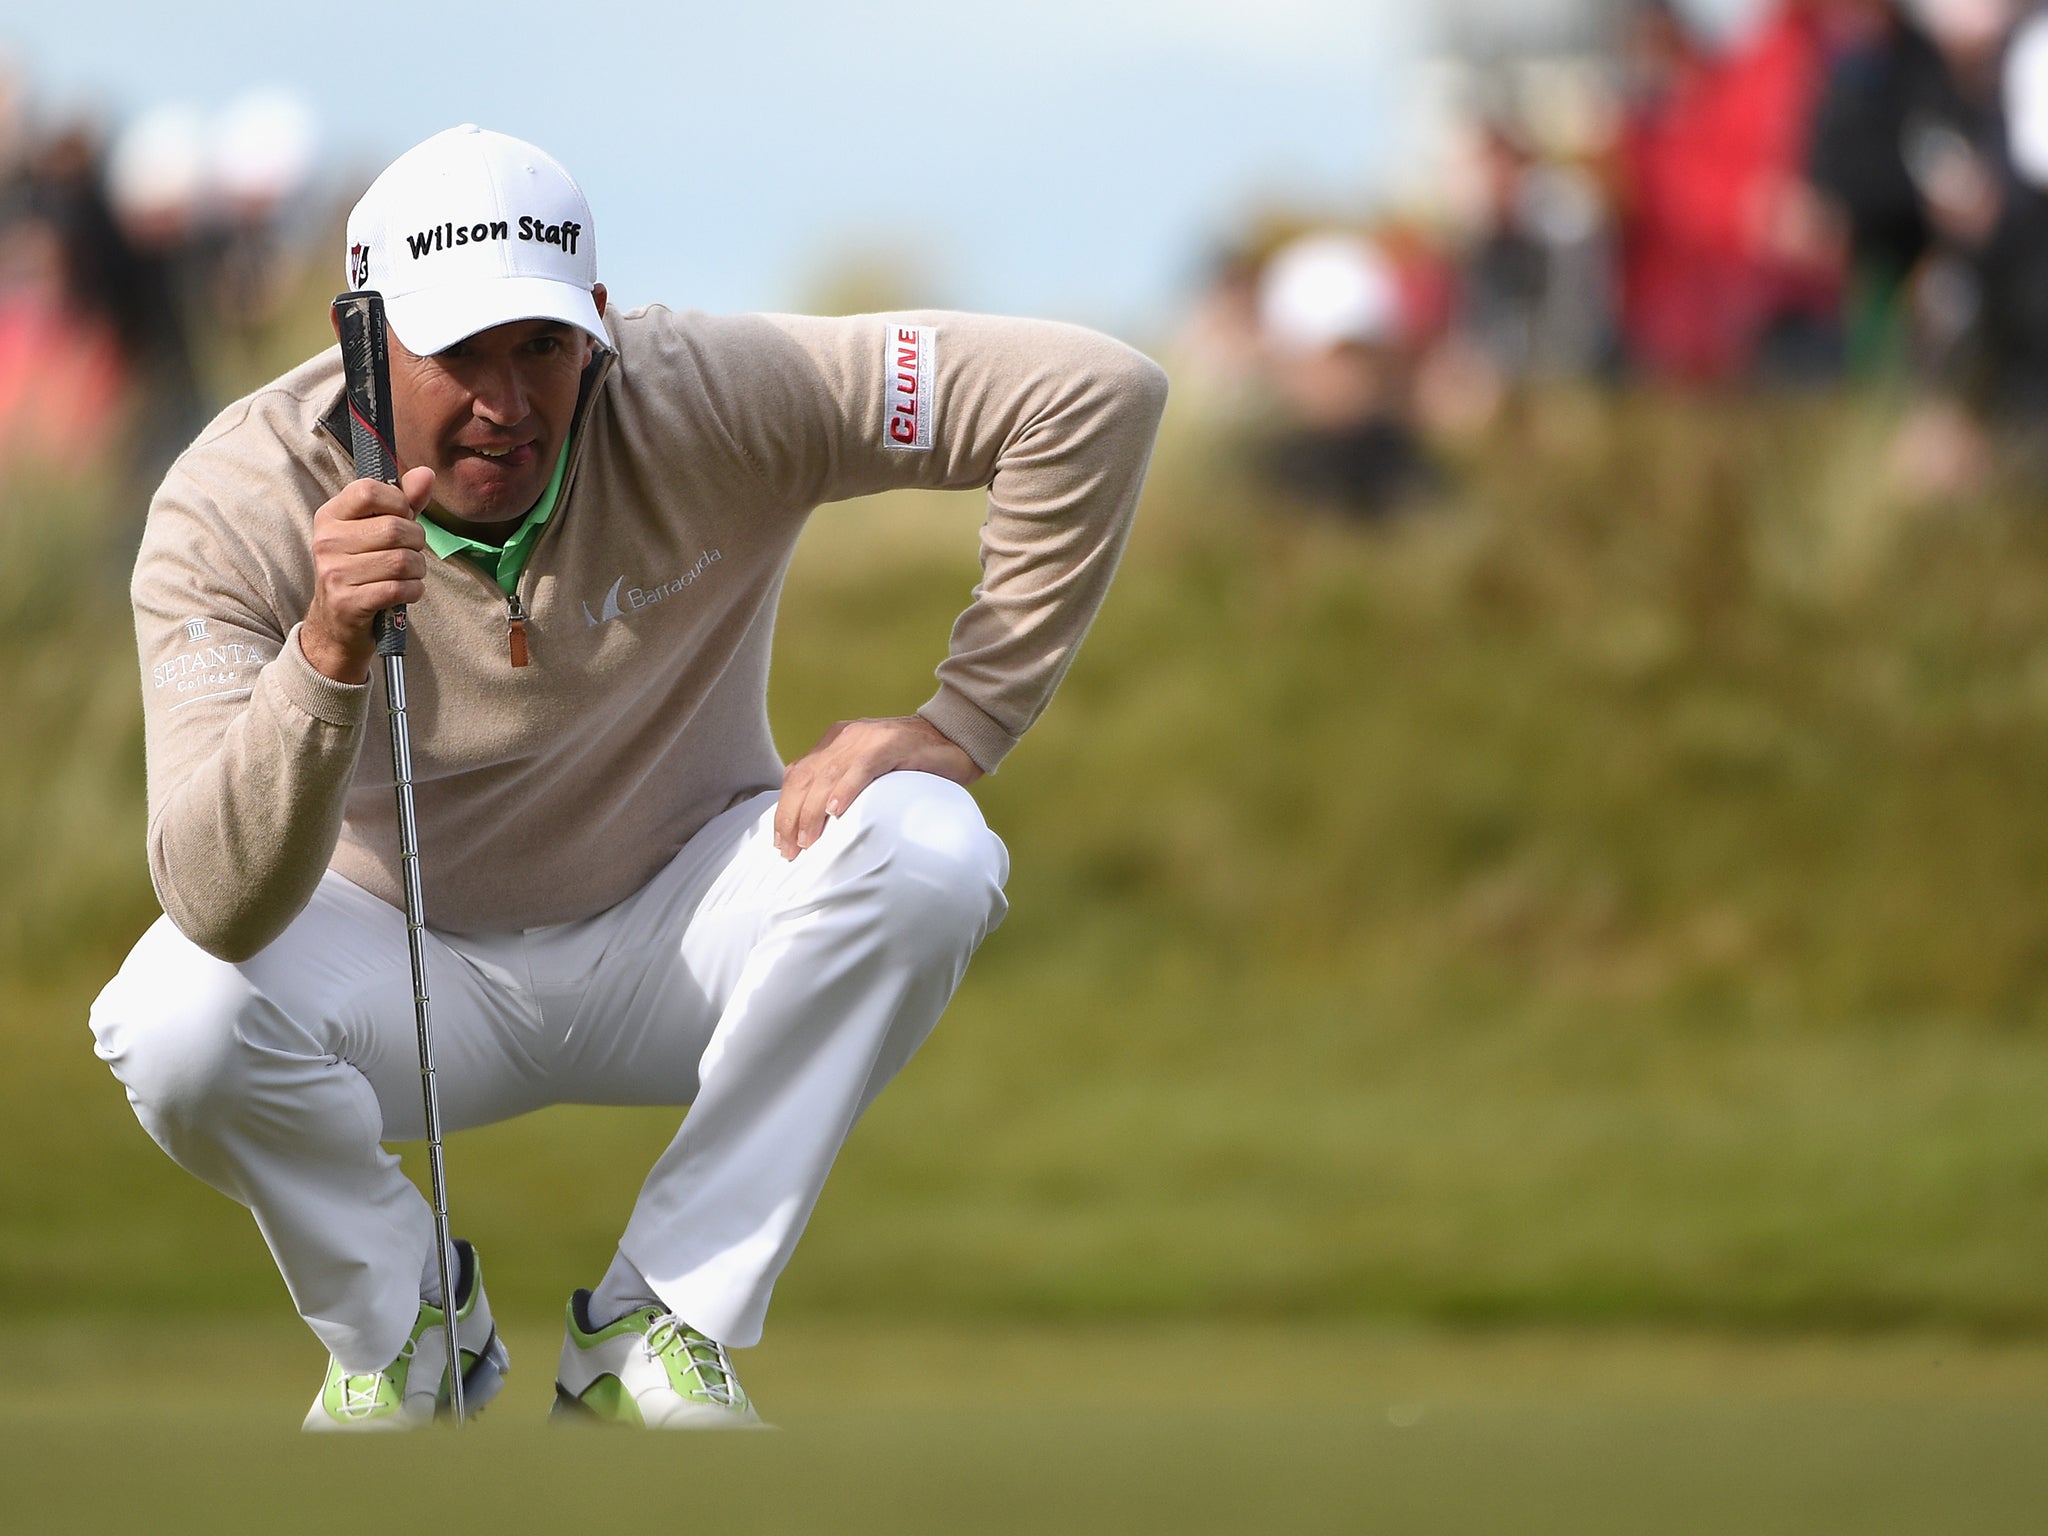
x=1078, y=159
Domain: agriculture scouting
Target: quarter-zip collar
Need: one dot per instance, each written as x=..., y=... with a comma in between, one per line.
x=505, y=560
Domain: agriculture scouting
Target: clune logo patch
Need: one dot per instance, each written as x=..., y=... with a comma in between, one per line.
x=359, y=267
x=622, y=599
x=446, y=237
x=908, y=368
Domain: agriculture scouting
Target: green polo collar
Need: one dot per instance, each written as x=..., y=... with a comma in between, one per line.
x=502, y=562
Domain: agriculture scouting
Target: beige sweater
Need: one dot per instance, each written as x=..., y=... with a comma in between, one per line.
x=548, y=792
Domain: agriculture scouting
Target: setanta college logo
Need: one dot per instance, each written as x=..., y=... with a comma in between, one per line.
x=225, y=669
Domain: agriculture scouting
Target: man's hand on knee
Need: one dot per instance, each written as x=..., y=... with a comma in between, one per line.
x=850, y=757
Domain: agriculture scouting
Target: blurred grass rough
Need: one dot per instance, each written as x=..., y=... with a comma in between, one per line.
x=1610, y=894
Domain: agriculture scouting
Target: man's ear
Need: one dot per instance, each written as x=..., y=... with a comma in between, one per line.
x=597, y=293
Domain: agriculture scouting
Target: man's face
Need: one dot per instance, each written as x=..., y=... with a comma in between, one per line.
x=489, y=415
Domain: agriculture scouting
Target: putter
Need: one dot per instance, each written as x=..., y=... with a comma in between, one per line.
x=366, y=364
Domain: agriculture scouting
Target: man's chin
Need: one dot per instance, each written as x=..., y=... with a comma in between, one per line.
x=486, y=506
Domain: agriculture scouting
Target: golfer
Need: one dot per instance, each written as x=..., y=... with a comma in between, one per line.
x=631, y=900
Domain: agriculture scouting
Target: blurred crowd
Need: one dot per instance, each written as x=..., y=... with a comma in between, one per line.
x=1839, y=191
x=129, y=262
x=1843, y=190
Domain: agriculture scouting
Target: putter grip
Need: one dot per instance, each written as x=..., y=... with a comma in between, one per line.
x=366, y=371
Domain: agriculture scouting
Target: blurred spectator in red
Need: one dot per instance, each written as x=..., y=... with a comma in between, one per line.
x=1729, y=266
x=1666, y=306
x=62, y=369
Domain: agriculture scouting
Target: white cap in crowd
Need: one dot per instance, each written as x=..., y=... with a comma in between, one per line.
x=174, y=167
x=157, y=168
x=266, y=146
x=2026, y=100
x=1326, y=289
x=472, y=229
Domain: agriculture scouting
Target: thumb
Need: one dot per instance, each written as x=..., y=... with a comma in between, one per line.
x=418, y=485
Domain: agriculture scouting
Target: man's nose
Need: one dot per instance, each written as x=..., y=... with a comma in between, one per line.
x=500, y=395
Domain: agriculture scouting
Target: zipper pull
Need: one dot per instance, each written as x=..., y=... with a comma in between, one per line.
x=515, y=625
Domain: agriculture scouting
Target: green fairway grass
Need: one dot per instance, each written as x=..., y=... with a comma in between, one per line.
x=1845, y=1181
x=1017, y=1428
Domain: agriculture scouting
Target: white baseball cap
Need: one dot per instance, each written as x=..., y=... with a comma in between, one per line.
x=472, y=229
x=1326, y=289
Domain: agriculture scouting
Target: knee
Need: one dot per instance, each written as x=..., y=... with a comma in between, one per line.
x=938, y=869
x=175, y=1041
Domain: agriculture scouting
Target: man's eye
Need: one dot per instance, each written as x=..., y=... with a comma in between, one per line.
x=547, y=344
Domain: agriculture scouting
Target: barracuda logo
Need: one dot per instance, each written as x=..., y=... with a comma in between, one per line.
x=622, y=600
x=610, y=608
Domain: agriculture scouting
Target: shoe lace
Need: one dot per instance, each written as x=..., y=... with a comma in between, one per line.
x=704, y=1357
x=360, y=1395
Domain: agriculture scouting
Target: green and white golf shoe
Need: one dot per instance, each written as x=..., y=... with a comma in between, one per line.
x=649, y=1368
x=412, y=1389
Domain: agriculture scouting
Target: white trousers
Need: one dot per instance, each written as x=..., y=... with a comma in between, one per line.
x=775, y=998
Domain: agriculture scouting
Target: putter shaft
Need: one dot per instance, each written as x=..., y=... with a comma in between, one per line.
x=415, y=940
x=366, y=367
